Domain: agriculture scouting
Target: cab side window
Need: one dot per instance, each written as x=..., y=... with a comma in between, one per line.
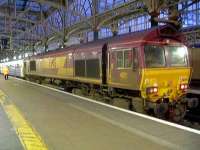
x=127, y=58
x=120, y=59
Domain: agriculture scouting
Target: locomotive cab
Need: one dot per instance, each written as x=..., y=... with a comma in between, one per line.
x=166, y=72
x=165, y=78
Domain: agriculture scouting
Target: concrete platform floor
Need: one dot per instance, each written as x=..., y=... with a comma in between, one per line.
x=65, y=122
x=8, y=137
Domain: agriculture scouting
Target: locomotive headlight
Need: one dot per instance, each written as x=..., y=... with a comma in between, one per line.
x=167, y=41
x=183, y=86
x=151, y=90
x=155, y=89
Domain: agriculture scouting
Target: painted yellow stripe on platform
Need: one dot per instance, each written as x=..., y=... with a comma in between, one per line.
x=28, y=136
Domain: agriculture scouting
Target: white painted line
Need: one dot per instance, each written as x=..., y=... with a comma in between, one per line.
x=193, y=91
x=120, y=109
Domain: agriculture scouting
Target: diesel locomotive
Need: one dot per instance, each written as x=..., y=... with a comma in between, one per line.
x=152, y=65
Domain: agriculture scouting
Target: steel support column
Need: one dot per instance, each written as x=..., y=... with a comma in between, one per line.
x=95, y=21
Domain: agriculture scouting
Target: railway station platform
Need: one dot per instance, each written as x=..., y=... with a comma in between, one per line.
x=37, y=117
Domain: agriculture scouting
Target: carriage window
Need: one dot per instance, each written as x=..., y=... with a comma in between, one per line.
x=120, y=62
x=154, y=56
x=177, y=56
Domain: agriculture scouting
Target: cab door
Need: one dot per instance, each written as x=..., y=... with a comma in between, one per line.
x=123, y=68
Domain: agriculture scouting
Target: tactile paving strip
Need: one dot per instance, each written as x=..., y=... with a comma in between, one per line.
x=28, y=136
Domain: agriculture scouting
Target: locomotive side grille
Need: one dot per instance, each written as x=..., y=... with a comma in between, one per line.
x=80, y=68
x=87, y=68
x=92, y=68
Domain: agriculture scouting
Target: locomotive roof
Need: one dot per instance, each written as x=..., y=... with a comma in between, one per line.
x=140, y=36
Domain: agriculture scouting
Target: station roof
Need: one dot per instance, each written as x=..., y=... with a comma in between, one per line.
x=32, y=25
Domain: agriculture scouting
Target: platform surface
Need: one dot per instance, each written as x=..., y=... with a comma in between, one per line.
x=65, y=122
x=8, y=137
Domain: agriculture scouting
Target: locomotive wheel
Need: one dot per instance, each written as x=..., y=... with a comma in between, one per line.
x=77, y=91
x=108, y=100
x=80, y=92
x=130, y=106
x=94, y=95
x=68, y=89
x=138, y=105
x=39, y=81
x=85, y=91
x=51, y=81
x=182, y=109
x=160, y=110
x=178, y=113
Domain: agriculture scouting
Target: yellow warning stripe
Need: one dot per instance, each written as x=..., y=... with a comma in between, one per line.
x=28, y=136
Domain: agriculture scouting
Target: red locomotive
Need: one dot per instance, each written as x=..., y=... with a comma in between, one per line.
x=151, y=65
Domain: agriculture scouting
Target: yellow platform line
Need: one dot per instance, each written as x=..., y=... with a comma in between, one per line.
x=28, y=136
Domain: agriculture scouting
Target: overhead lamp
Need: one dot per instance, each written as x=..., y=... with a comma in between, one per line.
x=26, y=54
x=20, y=56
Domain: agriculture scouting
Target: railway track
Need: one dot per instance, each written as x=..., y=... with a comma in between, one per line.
x=192, y=118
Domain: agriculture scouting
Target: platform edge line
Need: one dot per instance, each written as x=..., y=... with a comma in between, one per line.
x=117, y=108
x=30, y=140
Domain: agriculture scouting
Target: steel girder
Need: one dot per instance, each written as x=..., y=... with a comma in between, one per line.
x=25, y=20
x=131, y=8
x=18, y=21
x=47, y=29
x=54, y=3
x=69, y=17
